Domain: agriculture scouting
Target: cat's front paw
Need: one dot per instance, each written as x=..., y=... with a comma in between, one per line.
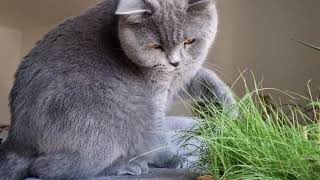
x=169, y=161
x=133, y=168
x=175, y=162
x=231, y=108
x=233, y=112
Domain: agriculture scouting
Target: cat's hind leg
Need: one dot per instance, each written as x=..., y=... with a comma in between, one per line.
x=134, y=168
x=124, y=167
x=66, y=166
x=13, y=166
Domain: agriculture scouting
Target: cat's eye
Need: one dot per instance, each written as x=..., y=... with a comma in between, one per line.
x=189, y=41
x=156, y=46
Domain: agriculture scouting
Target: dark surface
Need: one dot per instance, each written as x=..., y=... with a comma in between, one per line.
x=155, y=174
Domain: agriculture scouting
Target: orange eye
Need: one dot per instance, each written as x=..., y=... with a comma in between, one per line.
x=156, y=46
x=189, y=41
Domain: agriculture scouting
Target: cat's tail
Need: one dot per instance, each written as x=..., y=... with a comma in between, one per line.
x=13, y=166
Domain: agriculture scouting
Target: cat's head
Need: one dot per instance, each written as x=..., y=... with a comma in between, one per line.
x=168, y=33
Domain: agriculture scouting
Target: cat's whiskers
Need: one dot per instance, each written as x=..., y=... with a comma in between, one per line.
x=156, y=74
x=212, y=68
x=214, y=65
x=155, y=77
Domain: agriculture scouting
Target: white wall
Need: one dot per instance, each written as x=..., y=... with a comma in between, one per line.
x=256, y=34
x=10, y=52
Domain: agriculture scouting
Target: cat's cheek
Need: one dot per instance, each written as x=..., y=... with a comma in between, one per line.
x=149, y=60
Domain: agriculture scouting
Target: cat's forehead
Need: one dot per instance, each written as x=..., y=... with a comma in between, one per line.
x=169, y=12
x=169, y=22
x=168, y=5
x=166, y=12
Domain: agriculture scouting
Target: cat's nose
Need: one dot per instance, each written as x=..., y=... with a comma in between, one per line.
x=175, y=64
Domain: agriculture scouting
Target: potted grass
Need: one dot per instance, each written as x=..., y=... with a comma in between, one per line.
x=267, y=141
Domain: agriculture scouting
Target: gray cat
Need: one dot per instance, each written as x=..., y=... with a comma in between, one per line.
x=92, y=96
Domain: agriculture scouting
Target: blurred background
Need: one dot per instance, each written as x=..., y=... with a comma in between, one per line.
x=253, y=34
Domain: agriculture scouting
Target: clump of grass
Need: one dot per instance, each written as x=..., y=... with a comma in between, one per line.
x=264, y=142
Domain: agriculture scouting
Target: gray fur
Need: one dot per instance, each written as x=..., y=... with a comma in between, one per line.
x=93, y=95
x=126, y=7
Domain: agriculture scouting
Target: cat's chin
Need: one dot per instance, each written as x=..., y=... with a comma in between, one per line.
x=159, y=67
x=171, y=69
x=165, y=68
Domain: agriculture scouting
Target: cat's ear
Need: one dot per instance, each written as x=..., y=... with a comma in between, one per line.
x=131, y=7
x=199, y=5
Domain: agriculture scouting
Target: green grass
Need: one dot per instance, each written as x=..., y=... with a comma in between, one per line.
x=264, y=142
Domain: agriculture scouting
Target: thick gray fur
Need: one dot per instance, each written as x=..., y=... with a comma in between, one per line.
x=92, y=95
